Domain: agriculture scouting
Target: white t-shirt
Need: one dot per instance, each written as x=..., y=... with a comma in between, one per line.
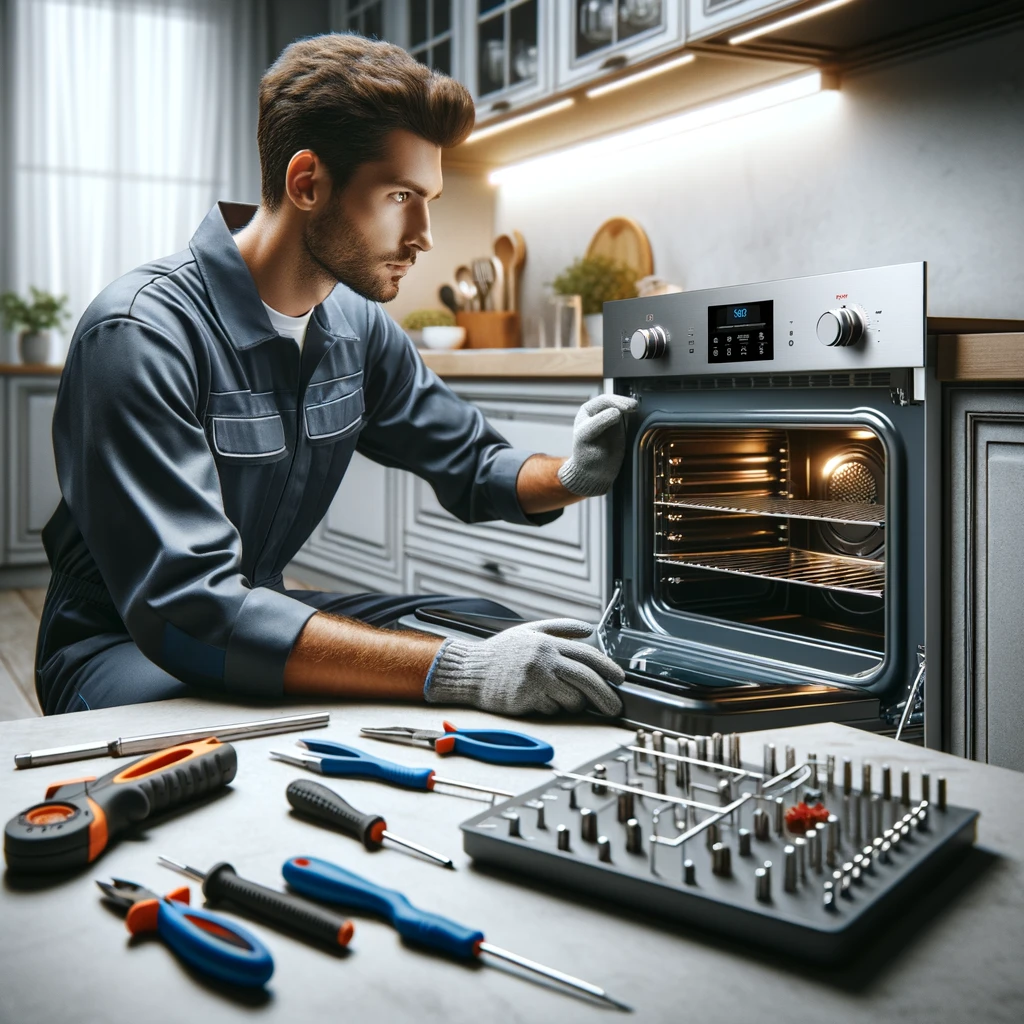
x=289, y=326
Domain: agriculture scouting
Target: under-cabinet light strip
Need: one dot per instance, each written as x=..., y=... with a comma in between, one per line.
x=621, y=83
x=515, y=122
x=774, y=26
x=605, y=150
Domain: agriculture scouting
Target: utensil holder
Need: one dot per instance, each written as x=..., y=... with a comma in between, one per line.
x=491, y=329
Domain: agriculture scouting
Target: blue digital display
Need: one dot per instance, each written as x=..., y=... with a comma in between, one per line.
x=741, y=333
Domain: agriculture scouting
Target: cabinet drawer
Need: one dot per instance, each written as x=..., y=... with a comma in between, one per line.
x=424, y=577
x=359, y=541
x=563, y=557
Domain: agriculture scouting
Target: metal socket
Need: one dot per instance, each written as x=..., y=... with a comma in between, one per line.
x=790, y=757
x=598, y=788
x=604, y=849
x=689, y=872
x=634, y=840
x=761, y=823
x=588, y=825
x=814, y=850
x=886, y=782
x=713, y=834
x=801, y=858
x=717, y=753
x=941, y=787
x=744, y=841
x=762, y=885
x=779, y=809
x=905, y=787
x=563, y=837
x=514, y=830
x=847, y=776
x=789, y=867
x=721, y=860
x=626, y=809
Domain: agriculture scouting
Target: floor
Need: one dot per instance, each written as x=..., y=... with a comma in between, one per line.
x=19, y=622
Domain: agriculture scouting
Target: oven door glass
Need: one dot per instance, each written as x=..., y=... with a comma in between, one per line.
x=769, y=543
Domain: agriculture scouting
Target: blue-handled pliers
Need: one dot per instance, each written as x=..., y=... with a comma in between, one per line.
x=497, y=746
x=206, y=941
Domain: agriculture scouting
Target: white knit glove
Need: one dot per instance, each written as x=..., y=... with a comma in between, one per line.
x=532, y=667
x=598, y=445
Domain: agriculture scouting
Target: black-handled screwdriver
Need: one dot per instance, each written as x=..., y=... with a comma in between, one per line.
x=222, y=883
x=317, y=801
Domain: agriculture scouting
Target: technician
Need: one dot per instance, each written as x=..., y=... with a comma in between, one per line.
x=211, y=403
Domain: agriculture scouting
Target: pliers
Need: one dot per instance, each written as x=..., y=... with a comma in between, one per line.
x=497, y=746
x=206, y=941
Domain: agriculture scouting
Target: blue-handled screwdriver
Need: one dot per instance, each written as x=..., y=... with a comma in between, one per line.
x=322, y=880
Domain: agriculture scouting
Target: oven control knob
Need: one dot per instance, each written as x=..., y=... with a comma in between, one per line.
x=838, y=327
x=648, y=343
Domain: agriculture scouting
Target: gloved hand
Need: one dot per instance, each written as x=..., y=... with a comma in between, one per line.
x=532, y=667
x=598, y=444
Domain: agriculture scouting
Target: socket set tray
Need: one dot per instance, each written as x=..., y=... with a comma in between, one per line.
x=790, y=857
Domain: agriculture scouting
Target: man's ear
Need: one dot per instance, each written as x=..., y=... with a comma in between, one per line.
x=307, y=182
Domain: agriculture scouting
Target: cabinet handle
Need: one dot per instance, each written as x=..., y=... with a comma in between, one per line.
x=495, y=567
x=620, y=60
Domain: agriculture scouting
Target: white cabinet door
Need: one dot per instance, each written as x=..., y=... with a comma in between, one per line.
x=423, y=577
x=709, y=17
x=594, y=36
x=32, y=490
x=358, y=545
x=508, y=53
x=561, y=559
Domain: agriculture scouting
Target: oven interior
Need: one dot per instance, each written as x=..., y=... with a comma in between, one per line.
x=779, y=530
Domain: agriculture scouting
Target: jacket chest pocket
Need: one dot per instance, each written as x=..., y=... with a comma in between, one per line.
x=248, y=440
x=335, y=419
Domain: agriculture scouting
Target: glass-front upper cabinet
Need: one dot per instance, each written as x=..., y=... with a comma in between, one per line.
x=595, y=36
x=430, y=36
x=510, y=52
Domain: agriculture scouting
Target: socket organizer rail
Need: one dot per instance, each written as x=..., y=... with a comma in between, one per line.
x=792, y=857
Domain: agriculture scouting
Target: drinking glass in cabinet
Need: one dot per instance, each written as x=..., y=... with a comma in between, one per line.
x=601, y=24
x=506, y=44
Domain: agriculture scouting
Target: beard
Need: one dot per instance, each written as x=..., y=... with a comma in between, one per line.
x=338, y=251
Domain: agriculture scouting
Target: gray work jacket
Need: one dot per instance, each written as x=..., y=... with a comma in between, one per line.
x=196, y=451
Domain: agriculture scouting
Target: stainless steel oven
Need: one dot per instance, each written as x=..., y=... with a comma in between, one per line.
x=774, y=533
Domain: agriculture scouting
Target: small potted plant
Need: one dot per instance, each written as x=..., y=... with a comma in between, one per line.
x=434, y=328
x=597, y=280
x=35, y=317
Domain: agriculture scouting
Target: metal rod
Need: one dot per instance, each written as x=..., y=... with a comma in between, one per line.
x=550, y=972
x=699, y=762
x=619, y=787
x=150, y=742
x=701, y=825
x=908, y=709
x=199, y=876
x=415, y=847
x=469, y=785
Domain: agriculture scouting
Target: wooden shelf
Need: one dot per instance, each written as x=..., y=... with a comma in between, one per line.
x=30, y=370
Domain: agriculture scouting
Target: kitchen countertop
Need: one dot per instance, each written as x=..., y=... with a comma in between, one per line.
x=30, y=369
x=516, y=362
x=954, y=955
x=962, y=358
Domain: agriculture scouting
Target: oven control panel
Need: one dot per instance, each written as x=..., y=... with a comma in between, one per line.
x=859, y=320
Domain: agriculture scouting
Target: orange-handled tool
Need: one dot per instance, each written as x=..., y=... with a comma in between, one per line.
x=79, y=817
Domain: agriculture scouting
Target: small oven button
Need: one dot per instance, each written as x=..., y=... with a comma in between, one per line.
x=839, y=327
x=648, y=343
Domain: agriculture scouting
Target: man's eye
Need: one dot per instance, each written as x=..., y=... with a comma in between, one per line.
x=401, y=197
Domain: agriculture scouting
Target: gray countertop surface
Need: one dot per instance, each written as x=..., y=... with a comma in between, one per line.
x=957, y=955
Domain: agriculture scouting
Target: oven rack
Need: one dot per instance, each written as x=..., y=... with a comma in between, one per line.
x=855, y=512
x=792, y=565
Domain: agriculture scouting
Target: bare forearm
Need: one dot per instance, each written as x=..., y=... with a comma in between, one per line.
x=538, y=487
x=344, y=658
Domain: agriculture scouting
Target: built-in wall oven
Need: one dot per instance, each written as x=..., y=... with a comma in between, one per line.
x=774, y=533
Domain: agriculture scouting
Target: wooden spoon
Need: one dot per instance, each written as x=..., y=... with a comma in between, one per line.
x=505, y=251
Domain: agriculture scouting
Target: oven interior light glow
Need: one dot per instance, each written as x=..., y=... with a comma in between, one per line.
x=614, y=151
x=830, y=467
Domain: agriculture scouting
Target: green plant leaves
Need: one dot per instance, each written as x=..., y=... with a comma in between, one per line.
x=597, y=280
x=39, y=313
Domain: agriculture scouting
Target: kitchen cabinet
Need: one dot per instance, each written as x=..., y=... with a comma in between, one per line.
x=29, y=478
x=985, y=547
x=386, y=531
x=596, y=36
x=709, y=17
x=509, y=52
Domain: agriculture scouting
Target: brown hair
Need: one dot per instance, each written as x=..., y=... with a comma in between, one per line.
x=340, y=95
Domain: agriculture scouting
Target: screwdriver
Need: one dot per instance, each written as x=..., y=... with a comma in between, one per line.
x=317, y=801
x=321, y=880
x=331, y=758
x=221, y=882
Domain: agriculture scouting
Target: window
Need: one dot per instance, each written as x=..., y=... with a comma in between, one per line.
x=365, y=17
x=130, y=119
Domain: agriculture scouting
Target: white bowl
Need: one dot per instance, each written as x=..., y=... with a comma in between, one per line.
x=443, y=337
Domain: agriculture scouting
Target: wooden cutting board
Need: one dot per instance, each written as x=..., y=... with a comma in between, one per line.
x=623, y=240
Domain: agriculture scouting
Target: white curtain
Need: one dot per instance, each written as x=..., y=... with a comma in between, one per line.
x=131, y=118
